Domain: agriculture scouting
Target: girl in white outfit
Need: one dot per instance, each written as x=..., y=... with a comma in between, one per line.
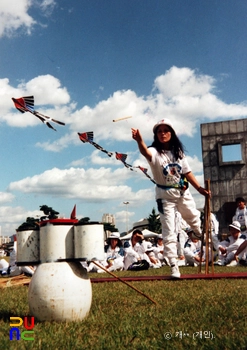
x=170, y=168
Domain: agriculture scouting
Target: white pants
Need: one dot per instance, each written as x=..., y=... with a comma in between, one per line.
x=172, y=201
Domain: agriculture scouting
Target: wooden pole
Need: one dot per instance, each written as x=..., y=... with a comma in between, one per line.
x=207, y=218
x=129, y=285
x=210, y=230
x=207, y=232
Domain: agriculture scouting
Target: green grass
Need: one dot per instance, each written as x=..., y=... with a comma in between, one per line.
x=121, y=318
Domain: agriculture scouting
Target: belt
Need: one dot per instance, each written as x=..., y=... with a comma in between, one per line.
x=177, y=186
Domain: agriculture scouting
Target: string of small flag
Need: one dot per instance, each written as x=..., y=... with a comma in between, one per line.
x=87, y=137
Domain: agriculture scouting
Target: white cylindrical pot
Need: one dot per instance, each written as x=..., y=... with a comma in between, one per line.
x=89, y=241
x=60, y=292
x=28, y=247
x=56, y=241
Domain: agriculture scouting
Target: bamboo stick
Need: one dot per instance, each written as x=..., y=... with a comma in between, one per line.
x=129, y=285
x=117, y=120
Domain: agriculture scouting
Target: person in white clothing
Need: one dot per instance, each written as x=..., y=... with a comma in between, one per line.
x=171, y=173
x=228, y=247
x=158, y=248
x=135, y=257
x=3, y=263
x=13, y=269
x=114, y=254
x=152, y=260
x=241, y=214
x=192, y=251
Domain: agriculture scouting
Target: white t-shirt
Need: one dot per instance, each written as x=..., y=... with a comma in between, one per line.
x=241, y=217
x=166, y=170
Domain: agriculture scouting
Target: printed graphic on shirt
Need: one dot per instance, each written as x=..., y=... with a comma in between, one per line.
x=172, y=172
x=241, y=219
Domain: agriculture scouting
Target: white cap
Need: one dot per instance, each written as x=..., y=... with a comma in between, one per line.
x=236, y=225
x=148, y=247
x=163, y=122
x=115, y=235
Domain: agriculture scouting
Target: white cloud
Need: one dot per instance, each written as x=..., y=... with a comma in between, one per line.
x=59, y=144
x=183, y=81
x=92, y=184
x=47, y=6
x=46, y=90
x=6, y=197
x=195, y=164
x=123, y=216
x=181, y=94
x=12, y=217
x=14, y=15
x=96, y=158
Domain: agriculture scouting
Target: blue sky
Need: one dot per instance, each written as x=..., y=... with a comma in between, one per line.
x=89, y=62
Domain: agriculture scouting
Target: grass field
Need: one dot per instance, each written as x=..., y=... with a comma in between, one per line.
x=191, y=314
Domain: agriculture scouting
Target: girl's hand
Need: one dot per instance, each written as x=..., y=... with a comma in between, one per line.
x=136, y=135
x=204, y=192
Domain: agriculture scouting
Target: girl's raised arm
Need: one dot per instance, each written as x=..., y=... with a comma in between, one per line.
x=136, y=135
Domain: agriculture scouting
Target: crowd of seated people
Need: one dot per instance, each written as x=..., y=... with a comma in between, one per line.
x=140, y=254
x=10, y=269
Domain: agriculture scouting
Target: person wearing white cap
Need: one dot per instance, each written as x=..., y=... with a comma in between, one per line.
x=158, y=248
x=151, y=258
x=114, y=254
x=228, y=247
x=192, y=251
x=135, y=257
x=171, y=173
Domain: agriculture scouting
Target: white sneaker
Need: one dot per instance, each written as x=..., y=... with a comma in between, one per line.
x=219, y=263
x=100, y=271
x=232, y=263
x=175, y=273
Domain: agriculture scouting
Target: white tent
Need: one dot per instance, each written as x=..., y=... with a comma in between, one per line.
x=146, y=233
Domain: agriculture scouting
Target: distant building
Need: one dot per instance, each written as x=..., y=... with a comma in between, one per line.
x=108, y=219
x=4, y=239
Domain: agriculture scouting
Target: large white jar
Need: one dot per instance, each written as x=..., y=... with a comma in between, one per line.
x=60, y=291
